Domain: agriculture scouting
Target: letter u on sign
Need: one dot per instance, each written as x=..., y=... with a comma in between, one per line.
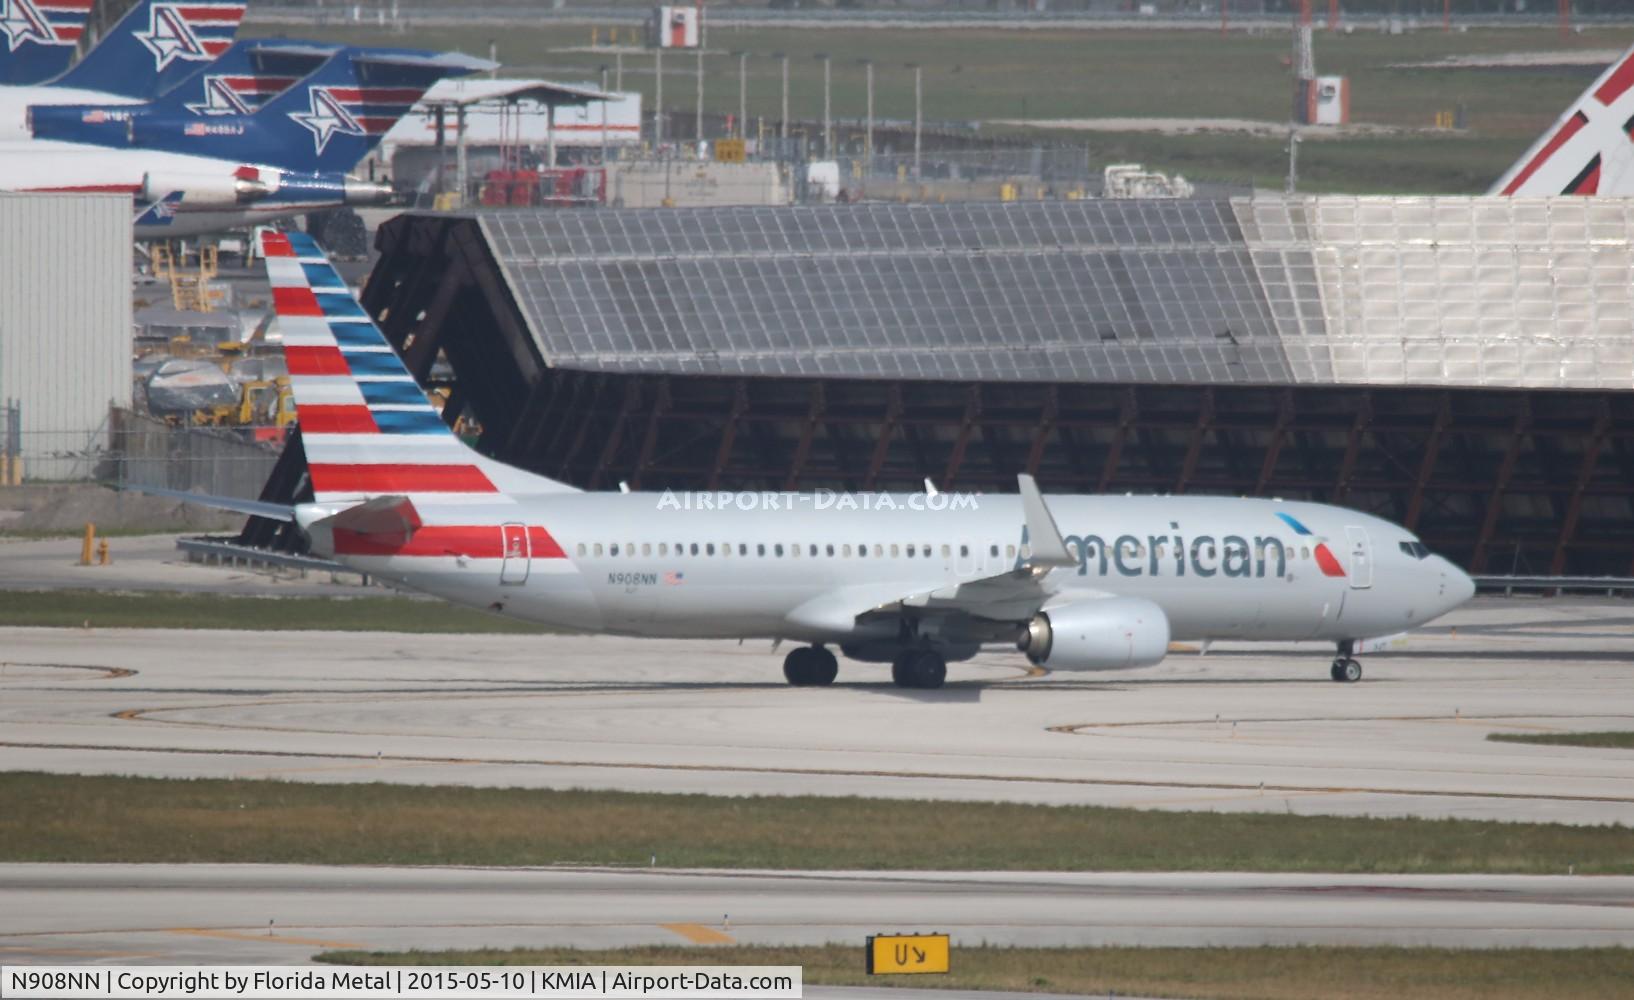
x=908, y=954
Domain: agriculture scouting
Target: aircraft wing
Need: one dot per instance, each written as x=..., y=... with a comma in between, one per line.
x=1011, y=596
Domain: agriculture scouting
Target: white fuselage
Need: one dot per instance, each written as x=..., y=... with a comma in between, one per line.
x=791, y=567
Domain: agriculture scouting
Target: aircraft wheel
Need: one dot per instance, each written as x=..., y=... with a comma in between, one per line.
x=929, y=669
x=1351, y=671
x=1337, y=671
x=902, y=669
x=800, y=666
x=825, y=667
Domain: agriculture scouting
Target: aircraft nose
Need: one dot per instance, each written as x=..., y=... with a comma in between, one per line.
x=1459, y=586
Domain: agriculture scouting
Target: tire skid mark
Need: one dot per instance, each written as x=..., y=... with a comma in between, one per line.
x=823, y=772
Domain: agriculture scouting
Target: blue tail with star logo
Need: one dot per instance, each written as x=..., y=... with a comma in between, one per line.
x=326, y=123
x=40, y=38
x=154, y=47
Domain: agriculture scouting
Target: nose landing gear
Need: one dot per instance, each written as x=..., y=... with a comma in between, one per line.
x=1346, y=669
x=810, y=666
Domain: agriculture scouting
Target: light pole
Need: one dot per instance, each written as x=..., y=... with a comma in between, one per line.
x=828, y=118
x=604, y=118
x=918, y=113
x=658, y=98
x=783, y=123
x=868, y=133
x=743, y=94
x=698, y=129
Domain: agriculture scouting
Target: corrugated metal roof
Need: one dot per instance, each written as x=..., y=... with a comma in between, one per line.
x=65, y=319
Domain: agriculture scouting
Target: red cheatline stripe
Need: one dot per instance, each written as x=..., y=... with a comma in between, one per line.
x=69, y=33
x=1325, y=561
x=376, y=95
x=216, y=47
x=214, y=12
x=315, y=361
x=1616, y=84
x=258, y=84
x=399, y=478
x=377, y=125
x=474, y=541
x=337, y=419
x=1572, y=127
x=79, y=5
x=296, y=301
x=276, y=245
x=89, y=189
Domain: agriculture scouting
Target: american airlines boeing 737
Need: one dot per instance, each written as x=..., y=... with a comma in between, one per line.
x=913, y=580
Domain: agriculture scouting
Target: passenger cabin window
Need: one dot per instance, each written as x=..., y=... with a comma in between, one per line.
x=646, y=548
x=1009, y=552
x=946, y=552
x=993, y=550
x=581, y=548
x=694, y=548
x=894, y=552
x=779, y=550
x=612, y=550
x=964, y=552
x=845, y=550
x=830, y=551
x=598, y=548
x=760, y=549
x=743, y=549
x=879, y=551
x=663, y=548
x=709, y=549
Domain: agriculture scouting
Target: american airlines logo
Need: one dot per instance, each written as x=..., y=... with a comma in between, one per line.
x=1201, y=555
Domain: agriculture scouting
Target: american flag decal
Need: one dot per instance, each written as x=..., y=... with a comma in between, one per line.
x=673, y=578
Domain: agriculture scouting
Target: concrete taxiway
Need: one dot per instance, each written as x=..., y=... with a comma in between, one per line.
x=1237, y=729
x=273, y=914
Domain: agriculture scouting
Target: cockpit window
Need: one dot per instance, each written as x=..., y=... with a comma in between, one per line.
x=1418, y=550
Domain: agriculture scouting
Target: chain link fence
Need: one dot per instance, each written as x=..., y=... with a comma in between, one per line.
x=132, y=449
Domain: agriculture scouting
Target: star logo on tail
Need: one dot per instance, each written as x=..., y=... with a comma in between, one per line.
x=169, y=37
x=23, y=24
x=327, y=118
x=219, y=99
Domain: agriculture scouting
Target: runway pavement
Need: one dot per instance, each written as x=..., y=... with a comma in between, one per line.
x=227, y=914
x=1237, y=729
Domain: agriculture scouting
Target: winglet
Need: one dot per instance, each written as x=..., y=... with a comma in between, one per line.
x=1042, y=535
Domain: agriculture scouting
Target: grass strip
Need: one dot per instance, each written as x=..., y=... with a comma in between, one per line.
x=1611, y=740
x=166, y=609
x=117, y=819
x=1226, y=973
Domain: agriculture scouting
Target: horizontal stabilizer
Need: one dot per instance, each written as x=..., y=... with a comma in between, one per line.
x=386, y=521
x=238, y=505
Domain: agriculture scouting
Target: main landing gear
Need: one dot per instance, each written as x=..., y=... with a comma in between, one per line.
x=810, y=666
x=919, y=668
x=1345, y=669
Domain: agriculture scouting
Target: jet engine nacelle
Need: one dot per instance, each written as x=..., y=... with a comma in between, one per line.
x=246, y=184
x=1112, y=633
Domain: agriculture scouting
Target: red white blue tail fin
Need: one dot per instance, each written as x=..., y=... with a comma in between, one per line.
x=1590, y=149
x=367, y=427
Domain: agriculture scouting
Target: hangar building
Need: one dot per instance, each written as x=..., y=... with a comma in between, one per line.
x=1463, y=366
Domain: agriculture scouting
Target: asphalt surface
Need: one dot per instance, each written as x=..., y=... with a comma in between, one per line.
x=1236, y=729
x=230, y=914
